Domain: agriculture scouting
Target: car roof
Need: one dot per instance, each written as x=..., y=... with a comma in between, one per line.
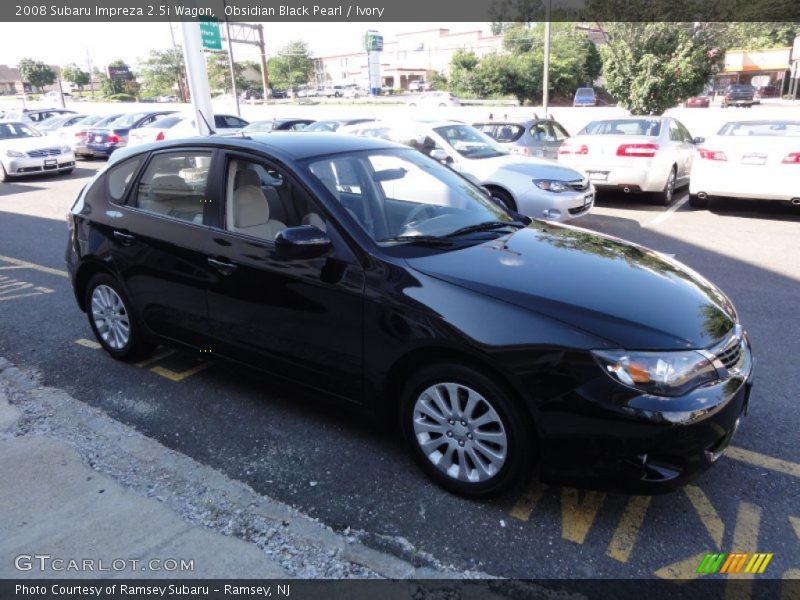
x=281, y=144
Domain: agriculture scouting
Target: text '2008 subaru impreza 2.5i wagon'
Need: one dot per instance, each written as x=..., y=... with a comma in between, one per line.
x=498, y=345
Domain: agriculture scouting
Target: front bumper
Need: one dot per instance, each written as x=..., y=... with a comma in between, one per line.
x=638, y=443
x=560, y=207
x=19, y=166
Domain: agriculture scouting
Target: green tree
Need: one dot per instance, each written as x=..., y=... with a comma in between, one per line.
x=36, y=73
x=650, y=67
x=292, y=66
x=75, y=75
x=162, y=72
x=219, y=72
x=757, y=35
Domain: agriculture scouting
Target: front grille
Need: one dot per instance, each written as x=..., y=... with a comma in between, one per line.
x=579, y=209
x=731, y=355
x=579, y=185
x=44, y=152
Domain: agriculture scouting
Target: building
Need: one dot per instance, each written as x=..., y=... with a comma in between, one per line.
x=411, y=56
x=760, y=68
x=10, y=82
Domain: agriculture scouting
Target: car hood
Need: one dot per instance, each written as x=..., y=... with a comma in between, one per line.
x=629, y=295
x=539, y=168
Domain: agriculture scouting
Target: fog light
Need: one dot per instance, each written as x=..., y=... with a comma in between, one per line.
x=551, y=213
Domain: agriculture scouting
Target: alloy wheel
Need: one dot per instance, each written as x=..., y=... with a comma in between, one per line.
x=110, y=317
x=460, y=432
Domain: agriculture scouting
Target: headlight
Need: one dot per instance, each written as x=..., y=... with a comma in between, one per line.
x=15, y=154
x=659, y=373
x=551, y=185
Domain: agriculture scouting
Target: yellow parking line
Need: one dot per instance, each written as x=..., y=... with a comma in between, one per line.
x=681, y=571
x=795, y=521
x=180, y=375
x=88, y=343
x=764, y=461
x=745, y=539
x=155, y=358
x=577, y=516
x=524, y=506
x=624, y=538
x=24, y=264
x=708, y=515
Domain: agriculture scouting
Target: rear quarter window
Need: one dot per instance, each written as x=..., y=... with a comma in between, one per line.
x=119, y=177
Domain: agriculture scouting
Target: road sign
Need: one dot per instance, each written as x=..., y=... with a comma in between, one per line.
x=210, y=35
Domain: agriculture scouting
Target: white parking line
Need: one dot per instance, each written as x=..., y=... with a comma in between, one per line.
x=667, y=213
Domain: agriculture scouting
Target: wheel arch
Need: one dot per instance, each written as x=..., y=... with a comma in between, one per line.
x=84, y=274
x=492, y=186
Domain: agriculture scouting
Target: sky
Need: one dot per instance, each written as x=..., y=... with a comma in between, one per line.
x=61, y=44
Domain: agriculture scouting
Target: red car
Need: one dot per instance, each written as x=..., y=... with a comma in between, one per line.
x=698, y=102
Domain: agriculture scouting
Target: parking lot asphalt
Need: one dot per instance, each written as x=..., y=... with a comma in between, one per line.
x=339, y=468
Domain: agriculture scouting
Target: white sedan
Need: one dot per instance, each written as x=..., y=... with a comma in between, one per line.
x=633, y=154
x=434, y=100
x=178, y=126
x=24, y=151
x=536, y=187
x=749, y=159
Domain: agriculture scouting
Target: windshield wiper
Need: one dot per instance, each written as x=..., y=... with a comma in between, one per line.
x=421, y=239
x=485, y=226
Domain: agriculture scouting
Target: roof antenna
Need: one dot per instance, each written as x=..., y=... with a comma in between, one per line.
x=202, y=116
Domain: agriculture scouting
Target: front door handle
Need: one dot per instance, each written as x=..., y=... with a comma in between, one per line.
x=224, y=267
x=125, y=238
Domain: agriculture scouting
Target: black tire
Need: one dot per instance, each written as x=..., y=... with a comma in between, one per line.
x=517, y=467
x=3, y=174
x=696, y=202
x=138, y=344
x=504, y=197
x=667, y=195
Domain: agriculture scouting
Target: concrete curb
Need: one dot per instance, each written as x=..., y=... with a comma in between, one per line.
x=199, y=494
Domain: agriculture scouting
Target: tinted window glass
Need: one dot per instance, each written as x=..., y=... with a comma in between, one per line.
x=542, y=132
x=649, y=127
x=119, y=177
x=174, y=185
x=560, y=133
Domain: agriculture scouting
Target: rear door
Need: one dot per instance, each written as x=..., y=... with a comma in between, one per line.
x=160, y=236
x=681, y=149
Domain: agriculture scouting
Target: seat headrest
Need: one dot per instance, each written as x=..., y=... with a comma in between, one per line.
x=250, y=207
x=247, y=177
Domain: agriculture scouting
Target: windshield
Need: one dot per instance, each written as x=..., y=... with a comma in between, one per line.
x=648, y=127
x=165, y=122
x=469, y=142
x=585, y=93
x=402, y=196
x=10, y=131
x=107, y=120
x=50, y=121
x=324, y=126
x=260, y=126
x=127, y=120
x=762, y=128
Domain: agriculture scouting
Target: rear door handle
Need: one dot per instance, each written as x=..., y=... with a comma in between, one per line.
x=125, y=238
x=224, y=267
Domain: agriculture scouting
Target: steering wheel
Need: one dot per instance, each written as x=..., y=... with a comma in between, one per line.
x=421, y=210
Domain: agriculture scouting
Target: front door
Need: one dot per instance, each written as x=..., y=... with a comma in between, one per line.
x=296, y=317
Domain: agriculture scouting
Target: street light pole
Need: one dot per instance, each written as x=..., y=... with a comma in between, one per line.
x=546, y=74
x=233, y=70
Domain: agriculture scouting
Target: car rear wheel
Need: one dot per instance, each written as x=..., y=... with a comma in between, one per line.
x=111, y=319
x=665, y=196
x=466, y=432
x=3, y=174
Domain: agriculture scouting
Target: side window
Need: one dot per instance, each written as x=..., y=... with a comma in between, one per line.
x=674, y=132
x=687, y=137
x=261, y=201
x=539, y=132
x=119, y=177
x=174, y=185
x=560, y=133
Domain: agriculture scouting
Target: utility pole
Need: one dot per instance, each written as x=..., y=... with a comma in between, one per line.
x=91, y=74
x=264, y=68
x=233, y=70
x=61, y=91
x=181, y=91
x=197, y=76
x=546, y=74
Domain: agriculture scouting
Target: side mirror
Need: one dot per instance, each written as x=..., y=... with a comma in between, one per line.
x=441, y=156
x=698, y=140
x=304, y=241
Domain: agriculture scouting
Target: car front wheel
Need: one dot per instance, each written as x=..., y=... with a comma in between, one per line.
x=111, y=319
x=466, y=432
